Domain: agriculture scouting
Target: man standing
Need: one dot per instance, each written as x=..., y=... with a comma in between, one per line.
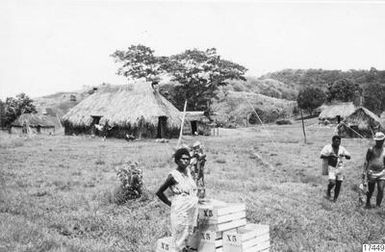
x=334, y=153
x=374, y=169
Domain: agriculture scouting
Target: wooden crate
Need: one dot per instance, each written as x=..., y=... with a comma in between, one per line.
x=165, y=245
x=251, y=238
x=220, y=216
x=208, y=241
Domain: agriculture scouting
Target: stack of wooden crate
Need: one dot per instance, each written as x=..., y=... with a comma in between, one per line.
x=222, y=227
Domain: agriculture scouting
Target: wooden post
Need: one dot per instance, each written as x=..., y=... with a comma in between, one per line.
x=181, y=127
x=303, y=126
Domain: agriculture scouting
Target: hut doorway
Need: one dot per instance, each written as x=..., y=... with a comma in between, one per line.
x=162, y=125
x=194, y=127
x=95, y=120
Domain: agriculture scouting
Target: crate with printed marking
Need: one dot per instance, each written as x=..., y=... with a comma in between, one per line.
x=220, y=216
x=251, y=238
x=207, y=241
x=165, y=245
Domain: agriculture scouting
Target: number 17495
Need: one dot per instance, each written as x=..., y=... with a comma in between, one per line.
x=373, y=247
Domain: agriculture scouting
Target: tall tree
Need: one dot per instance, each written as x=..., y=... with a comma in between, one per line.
x=374, y=97
x=310, y=98
x=198, y=74
x=2, y=113
x=14, y=107
x=343, y=90
x=138, y=61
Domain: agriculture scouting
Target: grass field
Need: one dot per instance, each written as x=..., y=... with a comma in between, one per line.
x=56, y=190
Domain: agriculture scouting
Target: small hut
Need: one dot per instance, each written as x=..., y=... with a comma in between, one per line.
x=196, y=123
x=136, y=109
x=362, y=122
x=336, y=112
x=32, y=123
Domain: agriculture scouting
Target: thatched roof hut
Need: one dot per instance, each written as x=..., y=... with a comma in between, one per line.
x=135, y=109
x=336, y=111
x=196, y=123
x=361, y=122
x=33, y=123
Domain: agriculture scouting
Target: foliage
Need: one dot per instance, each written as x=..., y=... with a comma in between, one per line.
x=2, y=114
x=198, y=73
x=321, y=78
x=343, y=90
x=374, y=97
x=131, y=179
x=139, y=62
x=14, y=107
x=310, y=98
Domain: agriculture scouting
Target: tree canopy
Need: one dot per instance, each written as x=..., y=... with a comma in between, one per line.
x=14, y=107
x=310, y=98
x=197, y=74
x=374, y=97
x=343, y=90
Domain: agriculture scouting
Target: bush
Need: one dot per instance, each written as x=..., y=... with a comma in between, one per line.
x=283, y=122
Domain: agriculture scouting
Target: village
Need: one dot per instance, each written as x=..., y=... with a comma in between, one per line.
x=182, y=126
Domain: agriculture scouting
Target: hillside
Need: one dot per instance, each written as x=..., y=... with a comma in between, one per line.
x=238, y=108
x=299, y=78
x=268, y=86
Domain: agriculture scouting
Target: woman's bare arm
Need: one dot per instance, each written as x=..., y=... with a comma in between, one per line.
x=160, y=193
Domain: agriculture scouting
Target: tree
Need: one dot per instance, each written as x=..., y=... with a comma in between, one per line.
x=343, y=90
x=2, y=113
x=374, y=97
x=198, y=73
x=310, y=98
x=139, y=62
x=14, y=107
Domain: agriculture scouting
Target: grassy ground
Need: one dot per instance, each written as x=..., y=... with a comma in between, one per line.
x=55, y=191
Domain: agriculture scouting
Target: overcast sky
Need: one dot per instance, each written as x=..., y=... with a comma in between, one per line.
x=51, y=46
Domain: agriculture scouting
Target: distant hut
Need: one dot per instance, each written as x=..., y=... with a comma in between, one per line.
x=196, y=123
x=136, y=110
x=362, y=122
x=32, y=123
x=337, y=112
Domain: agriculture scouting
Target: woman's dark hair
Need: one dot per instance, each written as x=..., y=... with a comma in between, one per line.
x=178, y=154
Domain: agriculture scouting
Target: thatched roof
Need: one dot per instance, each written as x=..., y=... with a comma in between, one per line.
x=331, y=111
x=33, y=120
x=196, y=116
x=364, y=118
x=131, y=104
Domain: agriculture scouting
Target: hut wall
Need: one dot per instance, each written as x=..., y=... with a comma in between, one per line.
x=146, y=131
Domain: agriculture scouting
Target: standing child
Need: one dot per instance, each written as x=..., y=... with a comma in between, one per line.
x=334, y=153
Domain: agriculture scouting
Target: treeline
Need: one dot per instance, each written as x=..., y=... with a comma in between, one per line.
x=321, y=78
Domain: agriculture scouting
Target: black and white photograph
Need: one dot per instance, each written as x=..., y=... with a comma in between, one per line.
x=192, y=126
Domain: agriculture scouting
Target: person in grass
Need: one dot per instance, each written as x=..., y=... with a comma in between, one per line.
x=374, y=169
x=184, y=200
x=334, y=153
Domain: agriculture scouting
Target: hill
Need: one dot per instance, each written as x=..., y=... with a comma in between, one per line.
x=268, y=87
x=238, y=108
x=300, y=78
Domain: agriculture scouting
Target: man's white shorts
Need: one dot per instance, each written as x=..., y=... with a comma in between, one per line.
x=335, y=173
